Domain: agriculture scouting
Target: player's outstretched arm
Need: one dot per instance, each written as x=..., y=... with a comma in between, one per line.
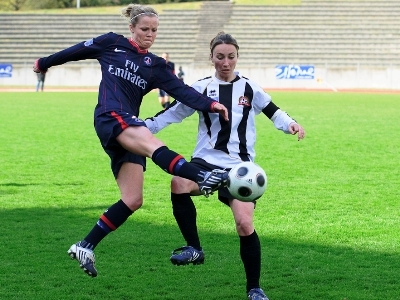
x=296, y=128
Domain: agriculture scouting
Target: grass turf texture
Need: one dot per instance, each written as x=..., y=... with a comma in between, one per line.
x=328, y=222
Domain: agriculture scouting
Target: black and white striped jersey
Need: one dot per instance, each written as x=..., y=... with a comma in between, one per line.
x=219, y=142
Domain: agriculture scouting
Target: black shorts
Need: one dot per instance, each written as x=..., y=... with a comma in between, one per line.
x=162, y=93
x=223, y=193
x=108, y=126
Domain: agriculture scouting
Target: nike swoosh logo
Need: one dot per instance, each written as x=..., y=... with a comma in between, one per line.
x=117, y=50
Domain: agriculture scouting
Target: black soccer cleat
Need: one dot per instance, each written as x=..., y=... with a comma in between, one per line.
x=211, y=181
x=187, y=255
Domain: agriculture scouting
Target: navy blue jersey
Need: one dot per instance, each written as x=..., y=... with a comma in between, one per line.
x=128, y=73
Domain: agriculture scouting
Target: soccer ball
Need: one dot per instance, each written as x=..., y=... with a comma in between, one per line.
x=247, y=181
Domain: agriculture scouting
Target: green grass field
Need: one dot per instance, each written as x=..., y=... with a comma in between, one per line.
x=329, y=222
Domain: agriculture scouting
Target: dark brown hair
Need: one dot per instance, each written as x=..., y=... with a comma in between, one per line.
x=223, y=38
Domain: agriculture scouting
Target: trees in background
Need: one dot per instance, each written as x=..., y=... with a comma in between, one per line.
x=12, y=4
x=16, y=5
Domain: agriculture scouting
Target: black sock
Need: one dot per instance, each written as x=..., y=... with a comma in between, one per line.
x=109, y=221
x=165, y=105
x=175, y=164
x=185, y=215
x=250, y=252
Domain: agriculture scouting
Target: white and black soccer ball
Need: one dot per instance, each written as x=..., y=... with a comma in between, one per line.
x=247, y=181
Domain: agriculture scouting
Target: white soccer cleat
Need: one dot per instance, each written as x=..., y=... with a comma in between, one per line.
x=256, y=294
x=85, y=257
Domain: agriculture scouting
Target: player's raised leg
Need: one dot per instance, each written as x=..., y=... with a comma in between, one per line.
x=139, y=140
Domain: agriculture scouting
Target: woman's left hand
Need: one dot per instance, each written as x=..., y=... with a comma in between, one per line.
x=296, y=128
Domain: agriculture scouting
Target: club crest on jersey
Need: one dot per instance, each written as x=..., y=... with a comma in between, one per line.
x=147, y=60
x=243, y=100
x=88, y=43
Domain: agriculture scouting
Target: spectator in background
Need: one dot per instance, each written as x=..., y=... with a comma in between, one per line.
x=163, y=96
x=40, y=84
x=181, y=74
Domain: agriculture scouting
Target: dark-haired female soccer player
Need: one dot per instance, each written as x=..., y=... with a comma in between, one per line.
x=223, y=144
x=130, y=71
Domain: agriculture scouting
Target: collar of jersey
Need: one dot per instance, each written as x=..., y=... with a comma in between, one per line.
x=133, y=43
x=227, y=82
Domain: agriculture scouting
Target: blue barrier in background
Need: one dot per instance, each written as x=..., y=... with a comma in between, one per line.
x=5, y=70
x=294, y=71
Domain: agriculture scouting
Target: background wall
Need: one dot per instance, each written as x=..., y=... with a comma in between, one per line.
x=351, y=44
x=349, y=77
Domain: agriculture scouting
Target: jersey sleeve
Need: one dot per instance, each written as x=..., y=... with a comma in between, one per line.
x=174, y=114
x=282, y=121
x=90, y=49
x=177, y=89
x=263, y=102
x=261, y=98
x=280, y=118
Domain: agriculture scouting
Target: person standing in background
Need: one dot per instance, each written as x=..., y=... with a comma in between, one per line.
x=181, y=74
x=163, y=96
x=40, y=84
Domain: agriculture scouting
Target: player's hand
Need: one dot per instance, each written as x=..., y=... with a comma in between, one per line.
x=296, y=128
x=36, y=67
x=221, y=109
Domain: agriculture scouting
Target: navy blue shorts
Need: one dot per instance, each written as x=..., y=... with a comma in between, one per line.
x=162, y=93
x=108, y=126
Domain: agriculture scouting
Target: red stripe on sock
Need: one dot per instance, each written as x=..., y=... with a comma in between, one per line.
x=120, y=120
x=108, y=223
x=173, y=163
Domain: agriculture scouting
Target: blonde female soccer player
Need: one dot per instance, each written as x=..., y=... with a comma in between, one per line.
x=129, y=72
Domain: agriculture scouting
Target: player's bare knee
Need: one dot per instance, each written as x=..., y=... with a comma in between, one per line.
x=244, y=227
x=133, y=202
x=181, y=185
